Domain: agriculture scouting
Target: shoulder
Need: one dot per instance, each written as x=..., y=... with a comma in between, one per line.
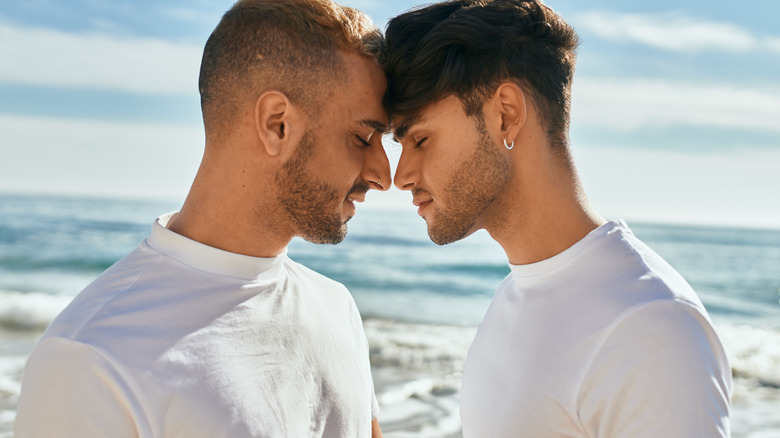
x=660, y=360
x=70, y=356
x=302, y=272
x=106, y=288
x=66, y=381
x=628, y=269
x=674, y=326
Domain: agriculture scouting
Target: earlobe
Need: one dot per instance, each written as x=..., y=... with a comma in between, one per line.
x=513, y=110
x=273, y=120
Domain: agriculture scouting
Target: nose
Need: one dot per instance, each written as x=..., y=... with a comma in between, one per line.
x=405, y=172
x=376, y=169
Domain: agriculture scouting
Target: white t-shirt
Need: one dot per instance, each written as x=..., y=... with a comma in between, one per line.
x=179, y=339
x=603, y=340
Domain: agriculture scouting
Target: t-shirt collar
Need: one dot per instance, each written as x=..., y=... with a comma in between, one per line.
x=206, y=258
x=548, y=265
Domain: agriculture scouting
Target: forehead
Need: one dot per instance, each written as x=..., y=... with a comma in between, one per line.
x=446, y=112
x=359, y=99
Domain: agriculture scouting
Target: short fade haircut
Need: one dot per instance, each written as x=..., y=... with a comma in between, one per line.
x=467, y=48
x=287, y=45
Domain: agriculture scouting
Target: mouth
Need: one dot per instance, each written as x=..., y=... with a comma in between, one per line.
x=421, y=200
x=357, y=194
x=352, y=198
x=356, y=197
x=358, y=191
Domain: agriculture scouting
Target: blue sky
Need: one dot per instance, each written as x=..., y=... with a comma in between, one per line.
x=675, y=118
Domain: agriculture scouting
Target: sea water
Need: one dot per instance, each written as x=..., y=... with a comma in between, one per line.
x=421, y=302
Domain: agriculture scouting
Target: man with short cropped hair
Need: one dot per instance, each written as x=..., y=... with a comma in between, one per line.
x=592, y=334
x=208, y=329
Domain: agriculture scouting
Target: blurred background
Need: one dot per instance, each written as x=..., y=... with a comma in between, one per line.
x=676, y=108
x=675, y=128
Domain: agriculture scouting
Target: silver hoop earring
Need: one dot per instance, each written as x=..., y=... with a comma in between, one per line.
x=508, y=146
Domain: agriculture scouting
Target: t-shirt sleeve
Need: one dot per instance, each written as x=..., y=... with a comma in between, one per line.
x=661, y=372
x=71, y=390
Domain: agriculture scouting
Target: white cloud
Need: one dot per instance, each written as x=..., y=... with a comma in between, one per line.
x=57, y=155
x=772, y=44
x=146, y=160
x=629, y=104
x=736, y=188
x=667, y=31
x=37, y=56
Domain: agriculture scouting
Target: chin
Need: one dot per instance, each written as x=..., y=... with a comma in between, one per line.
x=327, y=237
x=446, y=232
x=322, y=229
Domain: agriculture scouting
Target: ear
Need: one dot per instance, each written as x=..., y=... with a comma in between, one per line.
x=275, y=120
x=510, y=99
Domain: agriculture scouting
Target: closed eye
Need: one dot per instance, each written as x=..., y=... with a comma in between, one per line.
x=363, y=142
x=419, y=143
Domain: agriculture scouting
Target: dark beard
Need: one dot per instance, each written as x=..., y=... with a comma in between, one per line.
x=310, y=204
x=474, y=186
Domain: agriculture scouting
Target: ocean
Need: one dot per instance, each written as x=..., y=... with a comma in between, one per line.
x=421, y=303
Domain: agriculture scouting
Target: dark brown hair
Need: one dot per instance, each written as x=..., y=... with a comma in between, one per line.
x=469, y=47
x=287, y=45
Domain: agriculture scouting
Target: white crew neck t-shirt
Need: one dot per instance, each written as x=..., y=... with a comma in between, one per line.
x=603, y=340
x=179, y=339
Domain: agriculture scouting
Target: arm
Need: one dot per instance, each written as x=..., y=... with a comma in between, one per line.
x=661, y=372
x=71, y=390
x=376, y=432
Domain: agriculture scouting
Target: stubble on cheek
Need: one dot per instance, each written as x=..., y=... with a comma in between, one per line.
x=311, y=205
x=475, y=184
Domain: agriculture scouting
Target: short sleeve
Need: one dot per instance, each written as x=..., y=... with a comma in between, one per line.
x=662, y=372
x=70, y=390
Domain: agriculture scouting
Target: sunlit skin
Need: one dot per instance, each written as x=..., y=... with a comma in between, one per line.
x=344, y=160
x=452, y=186
x=529, y=198
x=235, y=203
x=280, y=173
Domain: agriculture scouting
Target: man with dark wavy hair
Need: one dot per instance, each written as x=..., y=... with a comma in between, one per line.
x=592, y=333
x=208, y=328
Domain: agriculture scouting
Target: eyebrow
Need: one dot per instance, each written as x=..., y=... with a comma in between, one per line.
x=402, y=129
x=382, y=127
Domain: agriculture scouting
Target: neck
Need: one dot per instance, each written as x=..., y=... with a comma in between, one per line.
x=544, y=212
x=231, y=207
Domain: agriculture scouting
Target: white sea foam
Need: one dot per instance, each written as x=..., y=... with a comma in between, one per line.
x=30, y=311
x=754, y=355
x=10, y=387
x=417, y=369
x=418, y=347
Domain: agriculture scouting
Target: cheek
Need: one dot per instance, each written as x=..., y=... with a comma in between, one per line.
x=341, y=161
x=438, y=166
x=343, y=169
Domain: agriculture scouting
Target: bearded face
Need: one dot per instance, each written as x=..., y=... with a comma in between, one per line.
x=471, y=188
x=313, y=205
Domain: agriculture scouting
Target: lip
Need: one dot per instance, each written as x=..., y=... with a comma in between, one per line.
x=350, y=206
x=352, y=198
x=421, y=204
x=356, y=197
